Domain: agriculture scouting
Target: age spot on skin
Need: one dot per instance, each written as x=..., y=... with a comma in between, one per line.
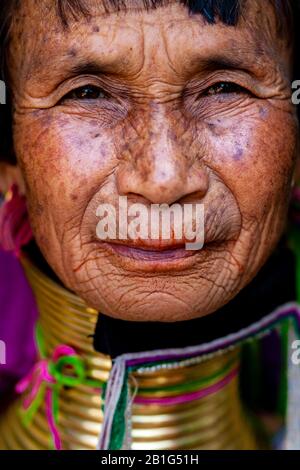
x=238, y=153
x=39, y=209
x=72, y=52
x=263, y=112
x=216, y=130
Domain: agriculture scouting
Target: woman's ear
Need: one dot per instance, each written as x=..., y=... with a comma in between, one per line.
x=9, y=175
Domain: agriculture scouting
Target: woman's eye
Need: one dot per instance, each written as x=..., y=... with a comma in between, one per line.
x=87, y=92
x=224, y=87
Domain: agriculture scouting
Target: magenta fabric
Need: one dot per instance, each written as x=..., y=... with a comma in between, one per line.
x=18, y=315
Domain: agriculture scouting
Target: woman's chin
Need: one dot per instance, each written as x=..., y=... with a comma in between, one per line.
x=157, y=307
x=155, y=313
x=168, y=296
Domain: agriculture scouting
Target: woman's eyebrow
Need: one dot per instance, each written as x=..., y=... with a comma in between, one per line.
x=89, y=68
x=98, y=66
x=227, y=63
x=247, y=60
x=69, y=69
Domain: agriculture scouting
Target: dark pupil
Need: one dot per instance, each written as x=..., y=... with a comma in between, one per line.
x=88, y=93
x=224, y=87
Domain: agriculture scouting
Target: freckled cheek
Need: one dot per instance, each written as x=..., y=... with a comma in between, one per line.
x=64, y=168
x=256, y=162
x=64, y=165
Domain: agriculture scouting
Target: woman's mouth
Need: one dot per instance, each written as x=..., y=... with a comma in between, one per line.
x=152, y=253
x=151, y=258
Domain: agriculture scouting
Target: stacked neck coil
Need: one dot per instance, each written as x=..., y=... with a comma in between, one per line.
x=192, y=406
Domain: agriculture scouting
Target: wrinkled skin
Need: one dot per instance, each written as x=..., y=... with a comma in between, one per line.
x=157, y=135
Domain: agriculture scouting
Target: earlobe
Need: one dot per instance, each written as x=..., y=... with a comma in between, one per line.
x=10, y=175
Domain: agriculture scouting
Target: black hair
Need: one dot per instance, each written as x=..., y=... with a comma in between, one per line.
x=226, y=10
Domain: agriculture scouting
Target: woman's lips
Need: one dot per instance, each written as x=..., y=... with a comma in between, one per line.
x=153, y=260
x=163, y=254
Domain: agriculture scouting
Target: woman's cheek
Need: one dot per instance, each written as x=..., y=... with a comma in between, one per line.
x=256, y=158
x=64, y=165
x=64, y=151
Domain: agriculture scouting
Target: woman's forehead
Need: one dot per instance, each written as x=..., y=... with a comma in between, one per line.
x=226, y=11
x=115, y=40
x=32, y=16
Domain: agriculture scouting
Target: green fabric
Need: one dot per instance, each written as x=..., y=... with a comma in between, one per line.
x=252, y=373
x=294, y=243
x=283, y=390
x=118, y=430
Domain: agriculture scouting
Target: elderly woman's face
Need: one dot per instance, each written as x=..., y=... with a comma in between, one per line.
x=134, y=104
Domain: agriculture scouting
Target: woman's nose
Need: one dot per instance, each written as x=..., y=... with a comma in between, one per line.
x=163, y=172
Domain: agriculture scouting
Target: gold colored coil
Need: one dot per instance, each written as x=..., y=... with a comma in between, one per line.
x=214, y=422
